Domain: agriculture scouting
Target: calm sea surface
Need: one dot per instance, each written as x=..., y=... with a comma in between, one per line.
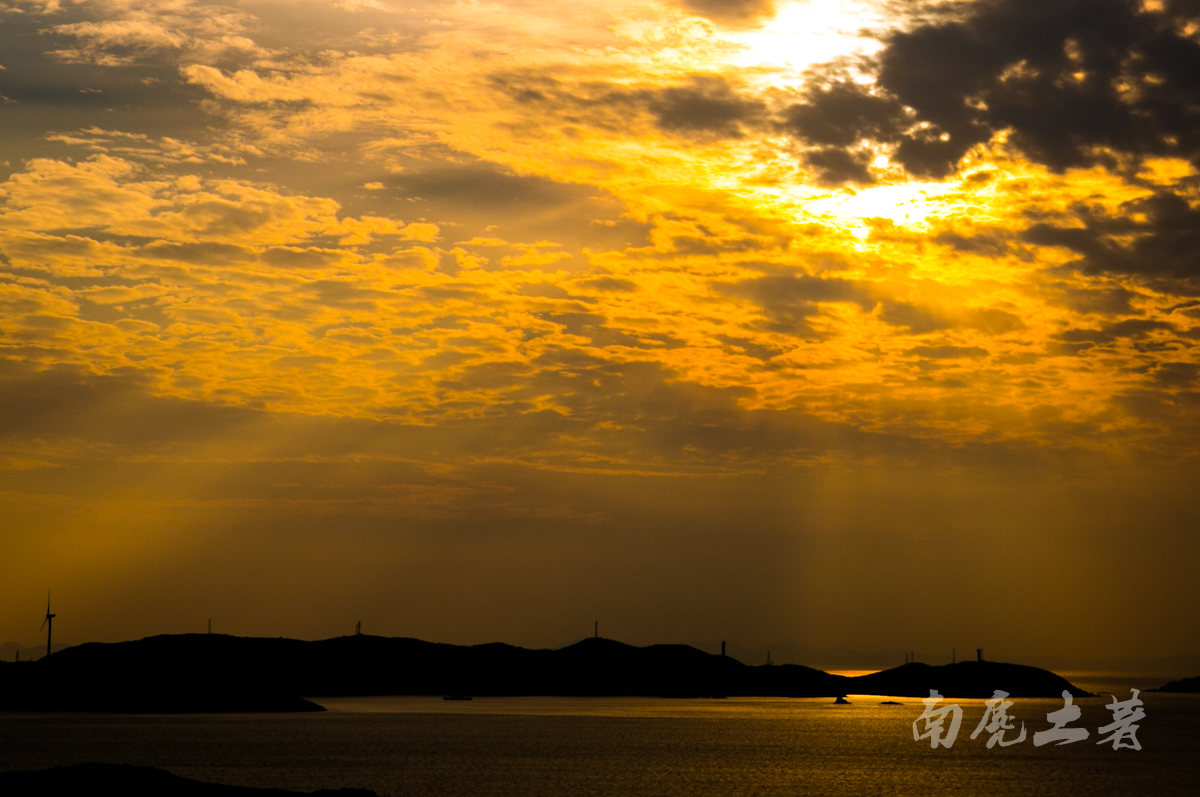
x=630, y=746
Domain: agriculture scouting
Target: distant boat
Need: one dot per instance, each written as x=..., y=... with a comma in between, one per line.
x=457, y=697
x=842, y=701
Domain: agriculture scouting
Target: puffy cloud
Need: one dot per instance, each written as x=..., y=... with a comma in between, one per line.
x=125, y=33
x=1072, y=84
x=53, y=195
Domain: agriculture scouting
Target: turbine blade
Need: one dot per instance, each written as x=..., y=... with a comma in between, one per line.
x=45, y=621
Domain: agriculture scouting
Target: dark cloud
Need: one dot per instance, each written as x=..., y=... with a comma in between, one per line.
x=65, y=401
x=1189, y=308
x=901, y=314
x=488, y=376
x=704, y=106
x=48, y=94
x=483, y=186
x=990, y=243
x=295, y=257
x=480, y=196
x=1077, y=340
x=788, y=301
x=712, y=244
x=145, y=310
x=837, y=118
x=992, y=321
x=731, y=10
x=1137, y=327
x=610, y=284
x=302, y=361
x=1067, y=78
x=948, y=352
x=707, y=105
x=842, y=114
x=210, y=253
x=591, y=326
x=1157, y=238
x=921, y=320
x=346, y=294
x=1176, y=374
x=440, y=293
x=544, y=290
x=1109, y=301
x=99, y=280
x=1070, y=79
x=835, y=166
x=749, y=347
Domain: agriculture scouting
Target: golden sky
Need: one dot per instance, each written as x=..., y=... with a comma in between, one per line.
x=718, y=318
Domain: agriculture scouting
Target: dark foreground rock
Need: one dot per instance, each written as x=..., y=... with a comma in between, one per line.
x=131, y=781
x=1186, y=685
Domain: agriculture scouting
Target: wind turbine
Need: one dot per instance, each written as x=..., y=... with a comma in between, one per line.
x=48, y=623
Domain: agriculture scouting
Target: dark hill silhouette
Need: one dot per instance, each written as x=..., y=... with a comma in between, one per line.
x=966, y=679
x=132, y=781
x=216, y=672
x=1188, y=685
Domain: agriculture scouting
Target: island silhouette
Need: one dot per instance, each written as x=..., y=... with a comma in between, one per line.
x=221, y=673
x=1186, y=685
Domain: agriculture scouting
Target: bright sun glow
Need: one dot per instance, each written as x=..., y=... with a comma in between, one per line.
x=804, y=34
x=908, y=204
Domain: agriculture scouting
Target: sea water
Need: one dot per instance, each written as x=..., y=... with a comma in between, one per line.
x=538, y=747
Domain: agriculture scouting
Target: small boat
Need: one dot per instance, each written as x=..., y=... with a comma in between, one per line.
x=457, y=697
x=842, y=701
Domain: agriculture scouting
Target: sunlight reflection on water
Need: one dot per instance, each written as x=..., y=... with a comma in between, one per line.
x=621, y=746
